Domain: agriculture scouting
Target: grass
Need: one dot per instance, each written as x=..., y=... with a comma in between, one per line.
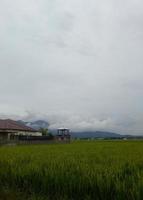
x=87, y=170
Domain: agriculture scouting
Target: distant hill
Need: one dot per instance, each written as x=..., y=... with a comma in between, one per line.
x=79, y=134
x=95, y=134
x=36, y=124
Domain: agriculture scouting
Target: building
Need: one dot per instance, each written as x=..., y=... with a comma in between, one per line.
x=10, y=129
x=63, y=134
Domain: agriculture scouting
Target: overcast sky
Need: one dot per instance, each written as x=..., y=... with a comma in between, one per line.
x=75, y=63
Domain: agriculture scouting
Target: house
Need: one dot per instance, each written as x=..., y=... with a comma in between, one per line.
x=10, y=129
x=63, y=134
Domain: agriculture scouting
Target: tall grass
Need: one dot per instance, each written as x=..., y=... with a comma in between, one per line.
x=102, y=170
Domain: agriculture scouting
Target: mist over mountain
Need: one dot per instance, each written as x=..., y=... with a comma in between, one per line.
x=74, y=134
x=84, y=134
x=36, y=124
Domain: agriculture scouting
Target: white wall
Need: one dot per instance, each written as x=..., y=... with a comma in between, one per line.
x=28, y=133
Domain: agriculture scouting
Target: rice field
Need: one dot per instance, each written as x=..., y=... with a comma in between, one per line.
x=83, y=170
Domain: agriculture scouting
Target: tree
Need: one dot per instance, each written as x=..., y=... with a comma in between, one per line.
x=44, y=131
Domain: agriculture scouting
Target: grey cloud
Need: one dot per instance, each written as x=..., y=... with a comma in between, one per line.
x=81, y=57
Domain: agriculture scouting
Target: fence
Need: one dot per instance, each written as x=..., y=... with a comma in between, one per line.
x=13, y=143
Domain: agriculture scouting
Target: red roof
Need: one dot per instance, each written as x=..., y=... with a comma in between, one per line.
x=8, y=124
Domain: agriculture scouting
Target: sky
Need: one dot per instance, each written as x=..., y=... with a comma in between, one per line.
x=77, y=64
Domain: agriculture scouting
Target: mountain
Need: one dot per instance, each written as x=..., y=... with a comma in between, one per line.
x=95, y=134
x=83, y=134
x=36, y=124
x=92, y=134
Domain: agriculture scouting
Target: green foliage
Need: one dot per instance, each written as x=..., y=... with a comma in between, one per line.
x=99, y=170
x=50, y=135
x=44, y=131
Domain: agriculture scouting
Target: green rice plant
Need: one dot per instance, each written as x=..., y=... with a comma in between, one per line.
x=83, y=170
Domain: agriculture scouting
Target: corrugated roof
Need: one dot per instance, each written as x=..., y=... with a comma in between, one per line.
x=8, y=124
